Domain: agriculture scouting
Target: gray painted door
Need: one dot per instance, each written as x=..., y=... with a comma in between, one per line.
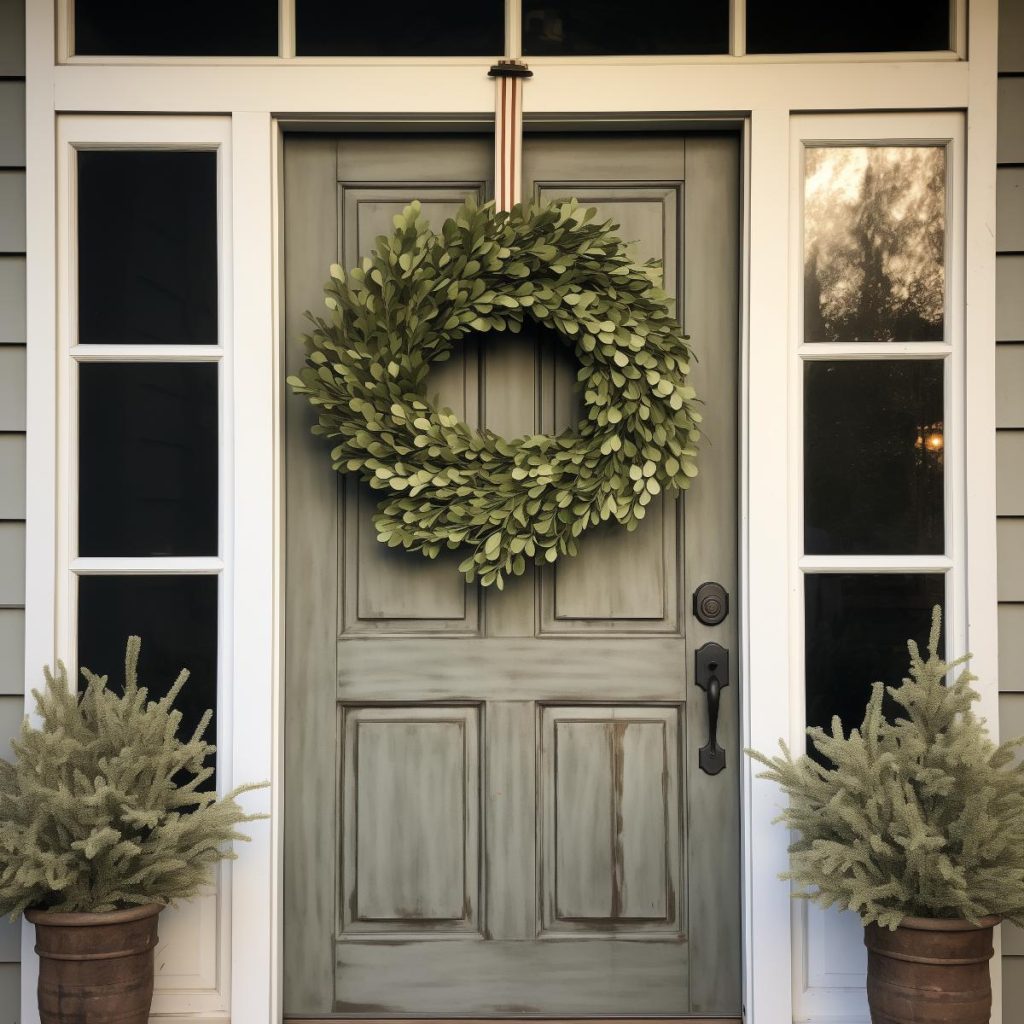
x=493, y=800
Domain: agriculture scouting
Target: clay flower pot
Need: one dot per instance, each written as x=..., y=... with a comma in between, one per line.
x=96, y=968
x=930, y=971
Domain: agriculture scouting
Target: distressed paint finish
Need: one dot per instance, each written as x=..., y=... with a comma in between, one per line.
x=514, y=805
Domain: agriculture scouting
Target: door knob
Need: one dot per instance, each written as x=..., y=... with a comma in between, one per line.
x=712, y=676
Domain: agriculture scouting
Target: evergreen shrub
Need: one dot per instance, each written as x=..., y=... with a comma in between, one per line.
x=101, y=808
x=916, y=815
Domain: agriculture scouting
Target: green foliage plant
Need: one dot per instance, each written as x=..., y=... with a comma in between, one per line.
x=101, y=808
x=919, y=815
x=445, y=485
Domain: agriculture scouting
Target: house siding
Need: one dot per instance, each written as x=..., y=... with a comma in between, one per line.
x=12, y=427
x=1010, y=414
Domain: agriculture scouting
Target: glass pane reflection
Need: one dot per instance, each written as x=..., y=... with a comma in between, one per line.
x=147, y=459
x=856, y=630
x=874, y=243
x=147, y=247
x=873, y=457
x=176, y=616
x=402, y=28
x=608, y=27
x=810, y=26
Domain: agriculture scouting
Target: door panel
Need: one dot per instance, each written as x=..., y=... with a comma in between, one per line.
x=610, y=835
x=493, y=806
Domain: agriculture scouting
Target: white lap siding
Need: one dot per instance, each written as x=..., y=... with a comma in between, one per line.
x=1010, y=420
x=12, y=427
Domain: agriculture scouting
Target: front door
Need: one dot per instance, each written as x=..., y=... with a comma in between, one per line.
x=494, y=801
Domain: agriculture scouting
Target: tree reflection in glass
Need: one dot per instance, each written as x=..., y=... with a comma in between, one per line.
x=874, y=243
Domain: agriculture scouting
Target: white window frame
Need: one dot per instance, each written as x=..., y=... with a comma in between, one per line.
x=825, y=982
x=254, y=98
x=191, y=930
x=513, y=44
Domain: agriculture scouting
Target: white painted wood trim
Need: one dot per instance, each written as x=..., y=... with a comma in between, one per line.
x=979, y=477
x=200, y=941
x=768, y=88
x=824, y=989
x=769, y=685
x=256, y=712
x=41, y=440
x=588, y=87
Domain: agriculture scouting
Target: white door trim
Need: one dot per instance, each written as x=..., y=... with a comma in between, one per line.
x=767, y=92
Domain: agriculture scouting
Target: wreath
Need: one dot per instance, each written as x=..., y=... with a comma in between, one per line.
x=445, y=485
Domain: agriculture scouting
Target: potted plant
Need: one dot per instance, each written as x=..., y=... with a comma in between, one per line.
x=916, y=822
x=103, y=824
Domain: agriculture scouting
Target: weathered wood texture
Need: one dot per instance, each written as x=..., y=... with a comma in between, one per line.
x=506, y=775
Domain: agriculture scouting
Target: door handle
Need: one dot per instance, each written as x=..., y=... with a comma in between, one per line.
x=712, y=676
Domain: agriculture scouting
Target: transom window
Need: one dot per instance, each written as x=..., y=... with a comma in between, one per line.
x=404, y=28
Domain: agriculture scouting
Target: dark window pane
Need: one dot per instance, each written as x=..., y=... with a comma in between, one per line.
x=856, y=632
x=222, y=28
x=874, y=243
x=580, y=27
x=147, y=247
x=809, y=26
x=403, y=28
x=873, y=457
x=147, y=459
x=176, y=616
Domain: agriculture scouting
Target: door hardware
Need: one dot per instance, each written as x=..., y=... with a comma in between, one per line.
x=711, y=676
x=710, y=603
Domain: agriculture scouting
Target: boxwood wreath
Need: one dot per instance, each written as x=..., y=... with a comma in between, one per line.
x=509, y=501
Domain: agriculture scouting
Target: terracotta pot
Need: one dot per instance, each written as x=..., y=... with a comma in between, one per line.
x=930, y=971
x=96, y=968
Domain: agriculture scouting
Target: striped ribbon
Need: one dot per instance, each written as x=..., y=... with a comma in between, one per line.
x=509, y=76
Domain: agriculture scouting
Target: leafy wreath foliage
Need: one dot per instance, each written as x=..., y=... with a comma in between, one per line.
x=445, y=484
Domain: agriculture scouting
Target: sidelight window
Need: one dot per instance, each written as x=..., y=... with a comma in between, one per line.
x=142, y=393
x=880, y=352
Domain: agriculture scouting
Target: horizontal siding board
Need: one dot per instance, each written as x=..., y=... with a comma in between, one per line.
x=1010, y=209
x=10, y=994
x=1009, y=473
x=1011, y=647
x=1013, y=987
x=12, y=565
x=12, y=387
x=12, y=476
x=1010, y=533
x=1010, y=386
x=1010, y=295
x=12, y=710
x=1011, y=37
x=12, y=300
x=12, y=124
x=1010, y=144
x=12, y=211
x=12, y=40
x=12, y=651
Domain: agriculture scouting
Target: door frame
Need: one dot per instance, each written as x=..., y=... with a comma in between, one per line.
x=255, y=99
